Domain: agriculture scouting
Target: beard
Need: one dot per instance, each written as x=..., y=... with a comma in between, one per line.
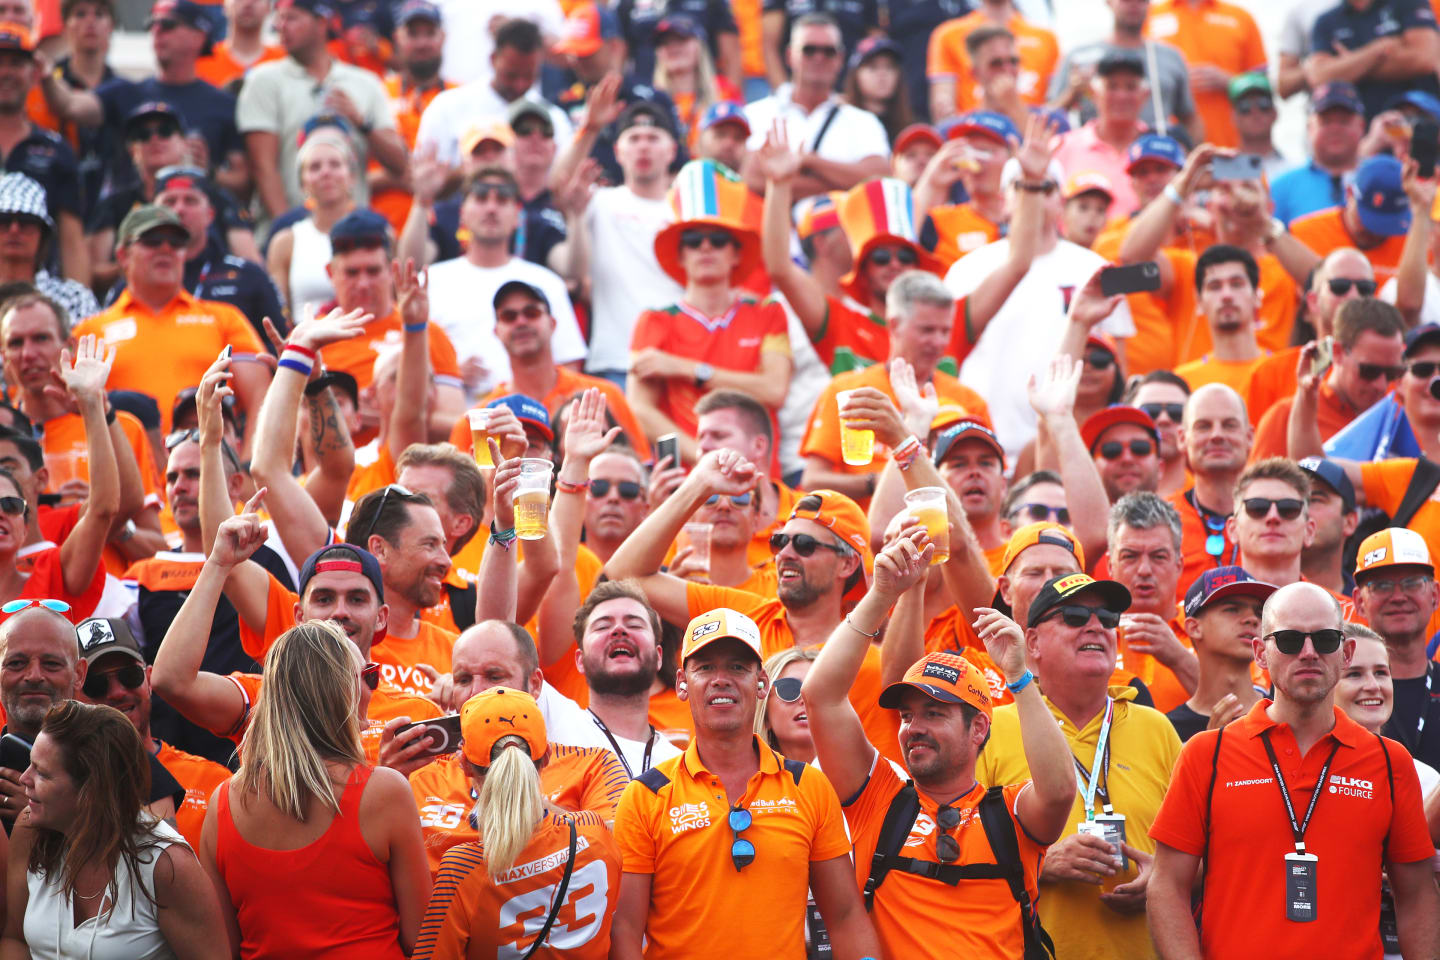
x=425, y=70
x=800, y=593
x=629, y=684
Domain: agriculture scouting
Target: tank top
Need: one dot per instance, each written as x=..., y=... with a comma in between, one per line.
x=309, y=283
x=332, y=898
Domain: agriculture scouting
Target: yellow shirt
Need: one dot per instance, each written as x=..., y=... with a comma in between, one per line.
x=1143, y=750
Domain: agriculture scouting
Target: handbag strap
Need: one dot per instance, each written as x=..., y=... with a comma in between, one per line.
x=559, y=895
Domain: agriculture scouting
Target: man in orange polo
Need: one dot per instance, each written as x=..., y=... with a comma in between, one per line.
x=730, y=835
x=1376, y=215
x=952, y=75
x=156, y=317
x=1219, y=40
x=1298, y=872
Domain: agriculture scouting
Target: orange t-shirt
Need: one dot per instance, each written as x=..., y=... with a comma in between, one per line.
x=678, y=835
x=1159, y=321
x=1324, y=231
x=852, y=337
x=752, y=39
x=574, y=779
x=199, y=777
x=188, y=334
x=1385, y=482
x=356, y=356
x=1165, y=688
x=1272, y=380
x=947, y=58
x=1274, y=323
x=220, y=67
x=922, y=919
x=957, y=229
x=1331, y=413
x=1233, y=373
x=1220, y=34
x=671, y=716
x=406, y=105
x=374, y=468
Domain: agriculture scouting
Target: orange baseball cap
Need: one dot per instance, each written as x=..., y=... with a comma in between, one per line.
x=588, y=26
x=1392, y=547
x=1034, y=534
x=944, y=677
x=848, y=522
x=492, y=129
x=1089, y=181
x=1097, y=423
x=500, y=712
x=722, y=623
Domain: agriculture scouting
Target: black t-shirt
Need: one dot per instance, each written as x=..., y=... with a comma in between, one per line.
x=1417, y=697
x=639, y=17
x=1351, y=28
x=1187, y=722
x=203, y=109
x=88, y=142
x=162, y=783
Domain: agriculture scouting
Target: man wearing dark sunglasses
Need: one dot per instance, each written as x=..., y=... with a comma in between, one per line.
x=1161, y=396
x=1280, y=852
x=1125, y=445
x=616, y=501
x=1271, y=523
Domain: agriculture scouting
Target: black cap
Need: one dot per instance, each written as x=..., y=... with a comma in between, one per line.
x=1058, y=590
x=645, y=113
x=1333, y=476
x=519, y=286
x=361, y=228
x=1420, y=336
x=1117, y=61
x=152, y=108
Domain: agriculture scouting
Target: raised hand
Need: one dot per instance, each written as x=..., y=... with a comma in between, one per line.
x=918, y=405
x=1035, y=152
x=1089, y=306
x=505, y=425
x=775, y=159
x=1308, y=375
x=507, y=481
x=665, y=479
x=210, y=396
x=869, y=409
x=575, y=196
x=1004, y=641
x=240, y=536
x=903, y=563
x=1421, y=193
x=725, y=472
x=412, y=290
x=1054, y=394
x=588, y=433
x=427, y=175
x=1195, y=174
x=85, y=374
x=603, y=106
x=315, y=332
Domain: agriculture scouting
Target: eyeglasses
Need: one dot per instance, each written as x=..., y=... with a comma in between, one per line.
x=742, y=851
x=819, y=50
x=14, y=506
x=695, y=239
x=627, y=489
x=1175, y=411
x=1386, y=587
x=14, y=606
x=947, y=848
x=1258, y=508
x=1341, y=286
x=787, y=688
x=531, y=311
x=1373, y=371
x=1112, y=449
x=1099, y=360
x=370, y=675
x=1076, y=615
x=165, y=24
x=804, y=544
x=738, y=500
x=501, y=191
x=1247, y=107
x=156, y=239
x=163, y=129
x=1291, y=642
x=903, y=255
x=998, y=62
x=97, y=684
x=1424, y=369
x=1035, y=512
x=177, y=437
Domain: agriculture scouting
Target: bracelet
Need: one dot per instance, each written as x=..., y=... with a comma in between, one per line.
x=1173, y=195
x=299, y=366
x=417, y=327
x=851, y=624
x=565, y=486
x=905, y=454
x=502, y=538
x=304, y=351
x=1025, y=680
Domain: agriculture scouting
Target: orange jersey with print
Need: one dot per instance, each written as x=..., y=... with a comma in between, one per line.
x=1273, y=380
x=574, y=779
x=567, y=384
x=356, y=356
x=1332, y=413
x=1324, y=231
x=220, y=67
x=1276, y=319
x=947, y=58
x=882, y=727
x=672, y=826
x=188, y=333
x=923, y=919
x=957, y=229
x=759, y=551
x=392, y=203
x=199, y=777
x=377, y=471
x=736, y=340
x=1210, y=32
x=472, y=914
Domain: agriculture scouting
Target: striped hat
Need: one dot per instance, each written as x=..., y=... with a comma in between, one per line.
x=878, y=213
x=706, y=193
x=21, y=195
x=817, y=213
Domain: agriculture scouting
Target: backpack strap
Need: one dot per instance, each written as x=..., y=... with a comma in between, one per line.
x=1000, y=832
x=654, y=779
x=1422, y=484
x=899, y=818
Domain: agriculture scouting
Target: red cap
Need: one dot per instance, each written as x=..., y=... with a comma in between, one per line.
x=1094, y=427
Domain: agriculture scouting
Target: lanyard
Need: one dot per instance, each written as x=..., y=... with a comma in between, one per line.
x=200, y=283
x=1102, y=758
x=1214, y=531
x=615, y=744
x=1299, y=828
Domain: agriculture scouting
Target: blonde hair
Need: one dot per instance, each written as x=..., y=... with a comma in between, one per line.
x=707, y=88
x=327, y=137
x=773, y=668
x=304, y=719
x=510, y=803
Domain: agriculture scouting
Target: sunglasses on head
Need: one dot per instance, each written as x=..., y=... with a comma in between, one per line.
x=531, y=311
x=370, y=675
x=97, y=683
x=1175, y=411
x=1374, y=371
x=1291, y=642
x=626, y=489
x=380, y=509
x=1099, y=360
x=501, y=191
x=1112, y=449
x=14, y=606
x=819, y=50
x=902, y=255
x=738, y=500
x=1424, y=369
x=1341, y=286
x=163, y=129
x=742, y=851
x=1077, y=615
x=1258, y=508
x=13, y=506
x=787, y=688
x=156, y=239
x=1036, y=512
x=695, y=239
x=947, y=848
x=804, y=544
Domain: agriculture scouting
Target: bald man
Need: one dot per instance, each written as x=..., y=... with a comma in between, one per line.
x=1215, y=441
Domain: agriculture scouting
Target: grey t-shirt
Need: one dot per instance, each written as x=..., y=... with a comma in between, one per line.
x=1175, y=94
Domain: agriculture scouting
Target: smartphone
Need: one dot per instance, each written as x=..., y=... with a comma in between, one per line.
x=1135, y=278
x=668, y=446
x=14, y=753
x=1245, y=166
x=1424, y=144
x=444, y=734
x=1324, y=356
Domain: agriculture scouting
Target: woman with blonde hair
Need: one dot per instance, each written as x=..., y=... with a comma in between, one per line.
x=299, y=248
x=530, y=856
x=304, y=806
x=781, y=720
x=685, y=70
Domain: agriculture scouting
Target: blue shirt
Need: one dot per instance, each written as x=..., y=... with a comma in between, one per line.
x=203, y=109
x=1306, y=189
x=639, y=17
x=1353, y=29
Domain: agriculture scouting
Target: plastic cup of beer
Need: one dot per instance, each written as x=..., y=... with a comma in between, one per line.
x=480, y=435
x=857, y=447
x=696, y=536
x=927, y=506
x=532, y=499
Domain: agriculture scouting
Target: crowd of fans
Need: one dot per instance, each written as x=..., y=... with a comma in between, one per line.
x=719, y=478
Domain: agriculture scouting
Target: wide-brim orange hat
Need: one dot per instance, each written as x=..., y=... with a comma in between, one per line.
x=705, y=194
x=848, y=522
x=879, y=213
x=500, y=712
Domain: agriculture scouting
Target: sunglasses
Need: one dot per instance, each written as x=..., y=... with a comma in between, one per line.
x=156, y=239
x=1424, y=369
x=999, y=62
x=695, y=239
x=370, y=675
x=742, y=851
x=531, y=311
x=903, y=255
x=97, y=684
x=1035, y=512
x=787, y=688
x=149, y=131
x=531, y=129
x=1341, y=286
x=501, y=191
x=1386, y=587
x=1373, y=371
x=1099, y=360
x=177, y=437
x=1291, y=642
x=1247, y=107
x=8, y=220
x=1175, y=411
x=819, y=50
x=1258, y=508
x=947, y=848
x=627, y=489
x=738, y=500
x=1076, y=615
x=14, y=507
x=14, y=606
x=1112, y=449
x=804, y=544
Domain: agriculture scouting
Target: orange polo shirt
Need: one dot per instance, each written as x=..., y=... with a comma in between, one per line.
x=199, y=777
x=406, y=105
x=1220, y=34
x=162, y=353
x=1324, y=231
x=947, y=58
x=958, y=229
x=220, y=67
x=357, y=355
x=1331, y=413
x=678, y=834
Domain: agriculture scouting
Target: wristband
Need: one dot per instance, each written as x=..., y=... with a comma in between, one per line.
x=1025, y=680
x=417, y=327
x=1173, y=195
x=303, y=351
x=502, y=538
x=299, y=366
x=905, y=454
x=565, y=486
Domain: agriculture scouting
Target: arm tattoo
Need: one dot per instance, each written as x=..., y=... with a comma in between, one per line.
x=327, y=432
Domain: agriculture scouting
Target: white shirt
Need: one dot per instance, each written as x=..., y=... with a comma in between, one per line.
x=853, y=135
x=1430, y=309
x=625, y=276
x=468, y=38
x=1021, y=338
x=566, y=723
x=461, y=296
x=807, y=381
x=456, y=110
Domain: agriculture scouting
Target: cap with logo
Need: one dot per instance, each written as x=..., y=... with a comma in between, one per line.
x=361, y=228
x=586, y=29
x=1041, y=534
x=99, y=636
x=1097, y=423
x=21, y=196
x=1221, y=582
x=844, y=518
x=527, y=410
x=944, y=677
x=1336, y=94
x=1392, y=547
x=360, y=561
x=1057, y=591
x=143, y=219
x=520, y=286
x=526, y=107
x=1380, y=197
x=16, y=37
x=722, y=623
x=1245, y=84
x=1333, y=476
x=724, y=111
x=181, y=177
x=496, y=713
x=1154, y=146
x=988, y=123
x=967, y=428
x=1089, y=181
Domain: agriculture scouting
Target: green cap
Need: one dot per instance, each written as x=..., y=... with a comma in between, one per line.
x=1253, y=82
x=142, y=220
x=525, y=107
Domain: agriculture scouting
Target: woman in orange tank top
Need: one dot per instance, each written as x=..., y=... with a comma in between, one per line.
x=342, y=871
